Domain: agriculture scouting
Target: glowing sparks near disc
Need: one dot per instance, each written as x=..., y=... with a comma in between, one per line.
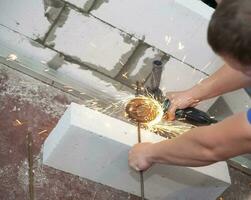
x=149, y=112
x=170, y=128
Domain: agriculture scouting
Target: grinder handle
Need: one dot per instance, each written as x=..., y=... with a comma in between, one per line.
x=192, y=115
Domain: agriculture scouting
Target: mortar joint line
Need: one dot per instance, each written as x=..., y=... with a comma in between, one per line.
x=129, y=34
x=74, y=61
x=93, y=5
x=52, y=26
x=128, y=61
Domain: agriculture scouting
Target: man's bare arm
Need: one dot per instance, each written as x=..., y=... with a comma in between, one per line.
x=226, y=79
x=199, y=147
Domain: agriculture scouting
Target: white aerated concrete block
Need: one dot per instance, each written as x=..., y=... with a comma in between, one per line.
x=177, y=27
x=97, y=84
x=83, y=4
x=29, y=17
x=94, y=43
x=177, y=76
x=26, y=50
x=95, y=146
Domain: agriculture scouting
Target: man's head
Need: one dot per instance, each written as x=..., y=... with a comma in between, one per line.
x=229, y=32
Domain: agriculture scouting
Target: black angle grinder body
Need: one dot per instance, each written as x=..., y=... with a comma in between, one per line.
x=191, y=115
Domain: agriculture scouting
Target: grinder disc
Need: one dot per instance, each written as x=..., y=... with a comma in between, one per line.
x=143, y=109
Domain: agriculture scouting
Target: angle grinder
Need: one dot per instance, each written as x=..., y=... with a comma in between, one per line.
x=190, y=114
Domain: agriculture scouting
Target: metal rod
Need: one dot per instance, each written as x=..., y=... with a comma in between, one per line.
x=30, y=163
x=139, y=133
x=142, y=189
x=138, y=85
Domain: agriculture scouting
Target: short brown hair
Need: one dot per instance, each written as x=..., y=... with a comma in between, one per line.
x=229, y=31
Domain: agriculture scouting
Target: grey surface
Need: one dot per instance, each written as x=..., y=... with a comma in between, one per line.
x=240, y=188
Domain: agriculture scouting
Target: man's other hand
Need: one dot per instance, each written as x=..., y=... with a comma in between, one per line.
x=140, y=157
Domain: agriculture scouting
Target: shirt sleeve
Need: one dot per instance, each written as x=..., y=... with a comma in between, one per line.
x=249, y=115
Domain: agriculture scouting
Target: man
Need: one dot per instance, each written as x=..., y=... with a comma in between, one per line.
x=229, y=35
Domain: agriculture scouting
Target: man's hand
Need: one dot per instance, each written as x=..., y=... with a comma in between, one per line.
x=180, y=100
x=140, y=157
x=226, y=79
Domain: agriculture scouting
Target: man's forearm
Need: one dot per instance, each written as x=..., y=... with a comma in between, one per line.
x=205, y=145
x=226, y=79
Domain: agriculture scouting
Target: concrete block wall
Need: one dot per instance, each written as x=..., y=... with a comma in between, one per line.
x=178, y=28
x=112, y=41
x=31, y=18
x=92, y=42
x=34, y=54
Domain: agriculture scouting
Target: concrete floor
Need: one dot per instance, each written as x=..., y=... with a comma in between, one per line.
x=29, y=111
